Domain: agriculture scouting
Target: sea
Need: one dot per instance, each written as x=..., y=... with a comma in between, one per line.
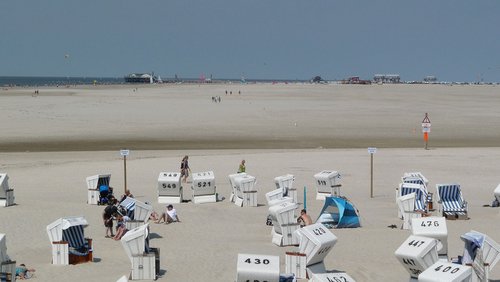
x=34, y=81
x=6, y=81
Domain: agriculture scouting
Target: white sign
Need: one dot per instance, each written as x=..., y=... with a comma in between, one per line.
x=426, y=124
x=124, y=152
x=426, y=129
x=372, y=150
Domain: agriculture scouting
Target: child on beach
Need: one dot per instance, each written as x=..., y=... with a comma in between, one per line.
x=242, y=167
x=22, y=272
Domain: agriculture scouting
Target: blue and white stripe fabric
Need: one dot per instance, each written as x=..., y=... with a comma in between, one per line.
x=451, y=197
x=420, y=194
x=129, y=205
x=76, y=240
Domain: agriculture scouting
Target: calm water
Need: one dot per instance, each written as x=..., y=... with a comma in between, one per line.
x=54, y=81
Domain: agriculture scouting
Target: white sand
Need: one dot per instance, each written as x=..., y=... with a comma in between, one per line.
x=204, y=246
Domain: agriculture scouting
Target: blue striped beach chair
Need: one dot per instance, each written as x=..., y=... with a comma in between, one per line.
x=129, y=205
x=451, y=202
x=69, y=244
x=420, y=194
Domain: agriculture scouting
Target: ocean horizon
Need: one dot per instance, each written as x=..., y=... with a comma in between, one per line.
x=27, y=81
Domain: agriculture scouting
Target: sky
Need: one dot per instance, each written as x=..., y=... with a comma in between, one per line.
x=454, y=40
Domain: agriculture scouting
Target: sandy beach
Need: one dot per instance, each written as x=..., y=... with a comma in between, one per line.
x=50, y=143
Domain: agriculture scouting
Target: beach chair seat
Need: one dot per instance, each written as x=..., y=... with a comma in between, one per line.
x=203, y=187
x=415, y=178
x=169, y=188
x=452, y=204
x=69, y=245
x=285, y=184
x=496, y=193
x=327, y=183
x=137, y=211
x=406, y=205
x=284, y=224
x=145, y=261
x=417, y=253
x=481, y=252
x=316, y=241
x=98, y=189
x=253, y=267
x=6, y=193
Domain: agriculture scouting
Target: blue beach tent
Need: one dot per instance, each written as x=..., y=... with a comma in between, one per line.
x=338, y=213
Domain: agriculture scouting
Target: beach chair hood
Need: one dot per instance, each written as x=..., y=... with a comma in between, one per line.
x=135, y=241
x=55, y=229
x=338, y=212
x=3, y=248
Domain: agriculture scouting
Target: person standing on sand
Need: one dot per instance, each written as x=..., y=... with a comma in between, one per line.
x=242, y=167
x=185, y=169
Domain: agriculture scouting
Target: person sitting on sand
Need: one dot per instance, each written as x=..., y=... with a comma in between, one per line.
x=169, y=216
x=304, y=219
x=121, y=226
x=22, y=272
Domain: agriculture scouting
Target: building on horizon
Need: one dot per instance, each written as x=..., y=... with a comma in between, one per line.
x=142, y=78
x=386, y=78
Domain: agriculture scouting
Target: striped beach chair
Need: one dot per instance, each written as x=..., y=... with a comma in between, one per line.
x=406, y=206
x=67, y=237
x=451, y=202
x=129, y=205
x=415, y=177
x=420, y=194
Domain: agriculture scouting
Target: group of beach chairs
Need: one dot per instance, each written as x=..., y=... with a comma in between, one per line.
x=313, y=242
x=424, y=254
x=414, y=199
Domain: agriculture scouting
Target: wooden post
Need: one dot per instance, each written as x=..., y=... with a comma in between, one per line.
x=371, y=151
x=125, y=173
x=371, y=175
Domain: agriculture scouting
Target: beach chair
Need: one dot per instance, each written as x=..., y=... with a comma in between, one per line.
x=6, y=193
x=334, y=276
x=67, y=237
x=285, y=184
x=234, y=192
x=7, y=266
x=452, y=204
x=315, y=241
x=169, y=188
x=442, y=271
x=415, y=178
x=406, y=205
x=98, y=189
x=203, y=187
x=481, y=252
x=145, y=261
x=246, y=192
x=327, y=184
x=122, y=279
x=417, y=253
x=496, y=193
x=137, y=211
x=420, y=195
x=251, y=267
x=432, y=227
x=284, y=223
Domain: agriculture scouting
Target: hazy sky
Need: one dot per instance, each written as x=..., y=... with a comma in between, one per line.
x=455, y=40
